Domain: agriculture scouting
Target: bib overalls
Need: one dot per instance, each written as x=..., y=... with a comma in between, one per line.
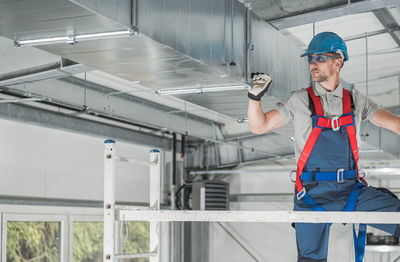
x=327, y=179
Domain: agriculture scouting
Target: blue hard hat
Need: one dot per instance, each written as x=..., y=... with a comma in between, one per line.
x=327, y=42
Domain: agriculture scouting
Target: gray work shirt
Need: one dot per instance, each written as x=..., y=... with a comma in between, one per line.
x=295, y=108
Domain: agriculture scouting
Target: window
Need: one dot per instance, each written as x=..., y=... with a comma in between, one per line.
x=33, y=241
x=135, y=239
x=88, y=242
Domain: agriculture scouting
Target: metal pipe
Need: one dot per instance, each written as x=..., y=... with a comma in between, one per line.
x=183, y=146
x=313, y=29
x=134, y=15
x=173, y=159
x=366, y=66
x=249, y=45
x=232, y=42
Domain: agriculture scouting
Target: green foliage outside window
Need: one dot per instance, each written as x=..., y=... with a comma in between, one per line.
x=135, y=239
x=33, y=241
x=88, y=242
x=40, y=241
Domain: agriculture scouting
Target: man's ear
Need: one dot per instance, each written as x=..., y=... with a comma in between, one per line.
x=339, y=63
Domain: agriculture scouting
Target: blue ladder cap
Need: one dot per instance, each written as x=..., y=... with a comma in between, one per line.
x=109, y=141
x=154, y=151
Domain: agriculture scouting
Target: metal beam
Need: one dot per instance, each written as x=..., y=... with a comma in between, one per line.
x=348, y=9
x=388, y=21
x=42, y=73
x=373, y=33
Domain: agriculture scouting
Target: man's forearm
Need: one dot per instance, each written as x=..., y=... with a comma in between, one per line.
x=256, y=116
x=261, y=122
x=386, y=119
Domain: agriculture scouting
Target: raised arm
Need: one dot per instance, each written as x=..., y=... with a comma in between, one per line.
x=386, y=119
x=259, y=121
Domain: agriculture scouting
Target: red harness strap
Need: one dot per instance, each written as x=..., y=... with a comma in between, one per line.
x=351, y=130
x=322, y=122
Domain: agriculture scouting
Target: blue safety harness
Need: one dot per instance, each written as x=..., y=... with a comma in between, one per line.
x=315, y=153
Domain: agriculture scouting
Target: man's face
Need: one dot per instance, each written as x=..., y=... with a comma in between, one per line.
x=323, y=67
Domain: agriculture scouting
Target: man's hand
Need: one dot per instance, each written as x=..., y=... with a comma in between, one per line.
x=260, y=83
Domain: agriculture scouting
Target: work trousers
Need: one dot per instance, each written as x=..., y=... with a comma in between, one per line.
x=312, y=239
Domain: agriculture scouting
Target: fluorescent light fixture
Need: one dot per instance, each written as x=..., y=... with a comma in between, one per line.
x=73, y=39
x=104, y=35
x=200, y=90
x=21, y=100
x=44, y=41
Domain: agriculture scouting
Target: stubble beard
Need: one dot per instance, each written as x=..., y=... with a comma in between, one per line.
x=318, y=77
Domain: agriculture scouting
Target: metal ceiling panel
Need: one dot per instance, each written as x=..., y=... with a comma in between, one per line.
x=345, y=26
x=272, y=10
x=325, y=10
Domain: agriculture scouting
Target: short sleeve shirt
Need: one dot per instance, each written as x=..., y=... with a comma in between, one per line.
x=295, y=108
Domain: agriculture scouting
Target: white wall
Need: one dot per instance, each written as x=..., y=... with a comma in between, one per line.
x=43, y=162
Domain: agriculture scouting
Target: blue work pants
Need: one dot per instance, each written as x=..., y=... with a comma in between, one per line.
x=312, y=239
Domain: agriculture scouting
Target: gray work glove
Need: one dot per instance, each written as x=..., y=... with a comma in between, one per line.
x=260, y=83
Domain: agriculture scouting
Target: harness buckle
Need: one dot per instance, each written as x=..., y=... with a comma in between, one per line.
x=301, y=194
x=291, y=177
x=340, y=175
x=335, y=123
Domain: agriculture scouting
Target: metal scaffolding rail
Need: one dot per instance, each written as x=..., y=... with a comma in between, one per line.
x=260, y=216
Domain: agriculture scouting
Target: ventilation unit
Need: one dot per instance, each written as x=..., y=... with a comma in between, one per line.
x=210, y=195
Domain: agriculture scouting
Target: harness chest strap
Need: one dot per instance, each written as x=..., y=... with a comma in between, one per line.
x=322, y=122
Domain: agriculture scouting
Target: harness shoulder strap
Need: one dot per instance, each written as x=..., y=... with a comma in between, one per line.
x=312, y=139
x=316, y=100
x=346, y=101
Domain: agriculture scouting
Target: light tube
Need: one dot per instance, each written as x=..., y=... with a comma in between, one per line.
x=177, y=91
x=44, y=41
x=199, y=90
x=72, y=39
x=104, y=35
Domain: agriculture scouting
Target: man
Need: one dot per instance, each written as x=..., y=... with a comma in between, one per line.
x=326, y=121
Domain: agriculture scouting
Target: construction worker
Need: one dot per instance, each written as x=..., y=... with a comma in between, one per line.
x=326, y=119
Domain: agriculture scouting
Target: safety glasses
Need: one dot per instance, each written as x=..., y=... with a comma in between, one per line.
x=319, y=58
